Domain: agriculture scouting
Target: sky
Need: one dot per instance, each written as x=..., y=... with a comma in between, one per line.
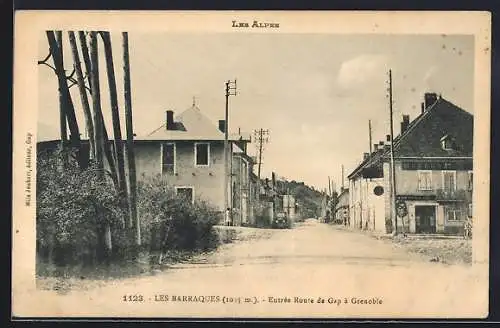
x=315, y=93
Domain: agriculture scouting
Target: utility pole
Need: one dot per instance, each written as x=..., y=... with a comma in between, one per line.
x=342, y=176
x=262, y=137
x=370, y=135
x=230, y=91
x=393, y=173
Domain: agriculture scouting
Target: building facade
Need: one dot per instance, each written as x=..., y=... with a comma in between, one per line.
x=433, y=158
x=342, y=208
x=187, y=151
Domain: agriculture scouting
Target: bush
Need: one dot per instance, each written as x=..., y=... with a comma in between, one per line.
x=171, y=222
x=73, y=207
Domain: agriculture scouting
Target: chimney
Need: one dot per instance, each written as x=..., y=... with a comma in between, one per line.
x=365, y=156
x=422, y=105
x=169, y=120
x=375, y=148
x=405, y=123
x=429, y=99
x=222, y=125
x=380, y=143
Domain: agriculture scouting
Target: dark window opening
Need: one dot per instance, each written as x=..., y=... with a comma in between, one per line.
x=168, y=158
x=202, y=154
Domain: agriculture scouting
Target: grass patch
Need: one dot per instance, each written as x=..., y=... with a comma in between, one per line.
x=439, y=249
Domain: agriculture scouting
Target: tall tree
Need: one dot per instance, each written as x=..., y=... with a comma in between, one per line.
x=62, y=100
x=107, y=148
x=83, y=93
x=118, y=142
x=132, y=178
x=66, y=103
x=98, y=128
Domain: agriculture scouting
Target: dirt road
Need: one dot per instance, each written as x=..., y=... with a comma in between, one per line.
x=312, y=270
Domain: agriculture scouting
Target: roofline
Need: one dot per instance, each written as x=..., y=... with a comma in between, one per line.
x=397, y=141
x=189, y=139
x=433, y=157
x=243, y=154
x=358, y=168
x=147, y=140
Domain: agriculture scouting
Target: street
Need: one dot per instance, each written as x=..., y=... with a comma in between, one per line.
x=287, y=275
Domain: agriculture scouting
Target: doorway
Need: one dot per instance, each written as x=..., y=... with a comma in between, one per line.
x=425, y=219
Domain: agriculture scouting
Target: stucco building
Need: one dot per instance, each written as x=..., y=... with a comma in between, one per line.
x=433, y=169
x=187, y=150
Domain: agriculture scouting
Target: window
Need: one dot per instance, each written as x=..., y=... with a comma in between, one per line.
x=453, y=213
x=449, y=180
x=185, y=192
x=447, y=143
x=425, y=180
x=202, y=154
x=168, y=158
x=245, y=173
x=470, y=180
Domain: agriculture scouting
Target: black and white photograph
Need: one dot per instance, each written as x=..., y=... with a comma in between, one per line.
x=251, y=165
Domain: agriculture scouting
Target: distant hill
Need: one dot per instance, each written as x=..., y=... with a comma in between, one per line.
x=308, y=198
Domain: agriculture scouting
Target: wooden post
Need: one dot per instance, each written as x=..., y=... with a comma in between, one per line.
x=370, y=136
x=393, y=169
x=132, y=179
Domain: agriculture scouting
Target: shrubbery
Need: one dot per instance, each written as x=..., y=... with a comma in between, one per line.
x=170, y=222
x=74, y=207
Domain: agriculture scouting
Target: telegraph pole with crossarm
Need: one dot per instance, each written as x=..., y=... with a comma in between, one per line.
x=230, y=91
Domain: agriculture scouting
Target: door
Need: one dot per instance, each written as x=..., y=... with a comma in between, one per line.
x=244, y=213
x=425, y=219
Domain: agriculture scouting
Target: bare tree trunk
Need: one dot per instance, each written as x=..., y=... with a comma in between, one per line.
x=64, y=95
x=85, y=55
x=132, y=178
x=164, y=241
x=118, y=142
x=96, y=104
x=98, y=128
x=107, y=148
x=62, y=100
x=83, y=94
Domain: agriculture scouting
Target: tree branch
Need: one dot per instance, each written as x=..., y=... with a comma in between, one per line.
x=45, y=59
x=69, y=77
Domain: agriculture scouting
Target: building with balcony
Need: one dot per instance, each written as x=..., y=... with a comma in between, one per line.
x=433, y=169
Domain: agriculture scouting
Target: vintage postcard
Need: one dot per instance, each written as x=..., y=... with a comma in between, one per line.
x=251, y=164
